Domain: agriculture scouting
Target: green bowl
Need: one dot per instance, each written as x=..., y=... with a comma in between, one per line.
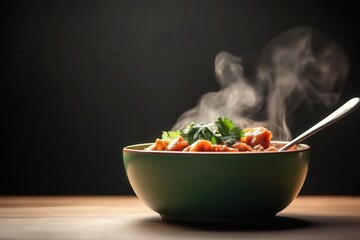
x=203, y=186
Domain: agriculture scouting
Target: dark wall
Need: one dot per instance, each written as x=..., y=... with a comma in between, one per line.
x=82, y=79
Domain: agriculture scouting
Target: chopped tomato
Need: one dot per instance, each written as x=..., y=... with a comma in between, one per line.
x=257, y=136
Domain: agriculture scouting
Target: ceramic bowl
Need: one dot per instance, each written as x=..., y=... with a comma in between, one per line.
x=213, y=186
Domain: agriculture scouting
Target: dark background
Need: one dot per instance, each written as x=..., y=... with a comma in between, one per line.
x=82, y=79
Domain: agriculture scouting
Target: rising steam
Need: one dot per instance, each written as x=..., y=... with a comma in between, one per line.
x=299, y=66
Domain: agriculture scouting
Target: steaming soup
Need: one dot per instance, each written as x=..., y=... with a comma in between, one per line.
x=221, y=136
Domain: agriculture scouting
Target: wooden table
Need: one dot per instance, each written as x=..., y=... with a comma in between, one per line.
x=92, y=217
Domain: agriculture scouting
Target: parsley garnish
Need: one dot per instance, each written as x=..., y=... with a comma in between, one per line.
x=230, y=133
x=222, y=131
x=197, y=131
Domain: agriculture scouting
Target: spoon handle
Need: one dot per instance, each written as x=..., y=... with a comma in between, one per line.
x=333, y=117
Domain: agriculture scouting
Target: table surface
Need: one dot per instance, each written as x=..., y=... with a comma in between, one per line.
x=126, y=217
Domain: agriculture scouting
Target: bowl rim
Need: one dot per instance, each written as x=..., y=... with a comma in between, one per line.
x=130, y=148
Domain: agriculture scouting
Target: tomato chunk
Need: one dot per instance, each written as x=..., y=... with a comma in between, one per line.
x=257, y=136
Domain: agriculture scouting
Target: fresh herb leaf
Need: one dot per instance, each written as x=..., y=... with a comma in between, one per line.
x=225, y=125
x=230, y=133
x=170, y=135
x=197, y=131
x=223, y=131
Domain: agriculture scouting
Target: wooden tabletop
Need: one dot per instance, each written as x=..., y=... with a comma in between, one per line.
x=93, y=217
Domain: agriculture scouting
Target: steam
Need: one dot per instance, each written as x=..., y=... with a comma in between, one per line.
x=299, y=66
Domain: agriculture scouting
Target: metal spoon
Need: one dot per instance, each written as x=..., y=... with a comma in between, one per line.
x=345, y=109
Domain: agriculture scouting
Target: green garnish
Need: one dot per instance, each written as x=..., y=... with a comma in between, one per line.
x=230, y=133
x=170, y=135
x=197, y=131
x=222, y=131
